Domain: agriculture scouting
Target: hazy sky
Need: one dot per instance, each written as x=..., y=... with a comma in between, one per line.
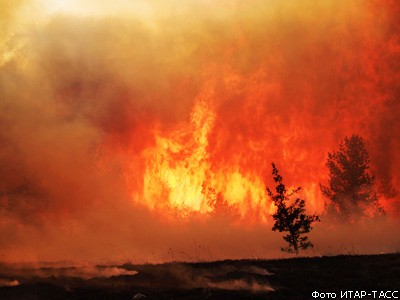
x=119, y=120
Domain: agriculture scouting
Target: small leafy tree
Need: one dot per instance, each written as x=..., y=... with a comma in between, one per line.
x=351, y=187
x=290, y=218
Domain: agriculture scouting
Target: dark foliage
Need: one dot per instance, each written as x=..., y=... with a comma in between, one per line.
x=290, y=218
x=351, y=187
x=220, y=207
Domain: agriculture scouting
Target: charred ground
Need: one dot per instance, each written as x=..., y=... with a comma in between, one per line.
x=293, y=278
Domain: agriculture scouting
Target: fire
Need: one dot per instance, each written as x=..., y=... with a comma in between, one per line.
x=159, y=112
x=176, y=168
x=179, y=173
x=254, y=97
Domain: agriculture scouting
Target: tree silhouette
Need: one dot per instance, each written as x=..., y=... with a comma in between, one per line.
x=290, y=218
x=220, y=207
x=351, y=187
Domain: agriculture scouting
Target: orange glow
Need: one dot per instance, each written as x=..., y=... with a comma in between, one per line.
x=178, y=168
x=123, y=121
x=177, y=165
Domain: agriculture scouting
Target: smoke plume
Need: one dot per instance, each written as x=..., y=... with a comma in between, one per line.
x=128, y=129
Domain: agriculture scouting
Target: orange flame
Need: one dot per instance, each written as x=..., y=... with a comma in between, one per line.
x=179, y=172
x=176, y=168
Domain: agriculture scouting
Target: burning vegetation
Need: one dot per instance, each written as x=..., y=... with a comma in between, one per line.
x=130, y=129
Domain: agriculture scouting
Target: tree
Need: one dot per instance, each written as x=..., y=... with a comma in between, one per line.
x=220, y=207
x=290, y=218
x=351, y=187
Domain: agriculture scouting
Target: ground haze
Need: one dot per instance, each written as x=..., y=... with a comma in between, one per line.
x=293, y=278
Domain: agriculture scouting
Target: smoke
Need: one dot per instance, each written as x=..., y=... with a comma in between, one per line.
x=106, y=109
x=26, y=272
x=225, y=277
x=4, y=282
x=242, y=276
